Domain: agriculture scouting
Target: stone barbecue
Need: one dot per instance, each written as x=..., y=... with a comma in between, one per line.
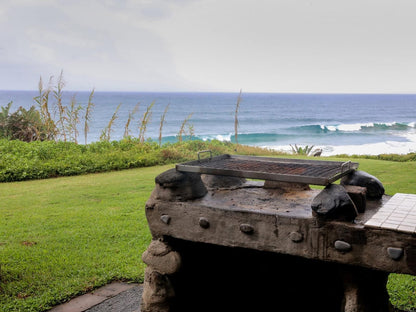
x=224, y=243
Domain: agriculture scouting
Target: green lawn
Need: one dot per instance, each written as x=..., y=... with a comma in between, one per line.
x=62, y=237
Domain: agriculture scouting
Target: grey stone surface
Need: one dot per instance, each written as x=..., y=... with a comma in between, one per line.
x=116, y=296
x=246, y=228
x=127, y=301
x=342, y=246
x=220, y=181
x=375, y=189
x=395, y=253
x=296, y=237
x=203, y=222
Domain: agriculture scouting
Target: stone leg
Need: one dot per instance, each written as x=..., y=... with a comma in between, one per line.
x=365, y=291
x=157, y=289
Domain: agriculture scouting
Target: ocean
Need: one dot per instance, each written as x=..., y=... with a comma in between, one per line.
x=336, y=123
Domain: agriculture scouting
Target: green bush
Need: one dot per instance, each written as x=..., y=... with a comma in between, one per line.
x=47, y=159
x=25, y=125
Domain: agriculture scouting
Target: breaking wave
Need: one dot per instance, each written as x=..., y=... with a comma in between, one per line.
x=371, y=126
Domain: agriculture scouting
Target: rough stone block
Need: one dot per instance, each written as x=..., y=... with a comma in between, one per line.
x=375, y=189
x=358, y=196
x=160, y=258
x=157, y=291
x=174, y=185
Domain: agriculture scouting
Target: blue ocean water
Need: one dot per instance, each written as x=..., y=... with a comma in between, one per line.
x=337, y=123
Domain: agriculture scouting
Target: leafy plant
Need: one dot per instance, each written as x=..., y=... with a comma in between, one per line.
x=298, y=150
x=4, y=115
x=25, y=125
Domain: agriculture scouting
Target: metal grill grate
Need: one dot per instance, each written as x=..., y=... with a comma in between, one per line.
x=277, y=169
x=272, y=167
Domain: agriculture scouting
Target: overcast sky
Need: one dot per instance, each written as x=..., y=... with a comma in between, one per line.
x=211, y=45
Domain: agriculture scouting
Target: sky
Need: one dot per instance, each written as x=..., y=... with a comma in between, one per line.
x=302, y=46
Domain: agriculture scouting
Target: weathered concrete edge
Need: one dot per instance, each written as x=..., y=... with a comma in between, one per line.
x=89, y=300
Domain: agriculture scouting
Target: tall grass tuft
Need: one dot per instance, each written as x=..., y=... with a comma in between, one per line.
x=106, y=133
x=73, y=120
x=162, y=122
x=43, y=102
x=182, y=128
x=62, y=109
x=129, y=119
x=145, y=121
x=237, y=107
x=87, y=116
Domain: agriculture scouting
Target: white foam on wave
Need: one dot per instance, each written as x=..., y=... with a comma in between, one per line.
x=359, y=126
x=348, y=127
x=219, y=137
x=388, y=147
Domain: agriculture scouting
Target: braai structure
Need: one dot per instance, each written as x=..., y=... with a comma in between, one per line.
x=222, y=243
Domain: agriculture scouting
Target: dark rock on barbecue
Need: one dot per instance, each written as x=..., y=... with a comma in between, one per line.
x=333, y=202
x=175, y=185
x=375, y=189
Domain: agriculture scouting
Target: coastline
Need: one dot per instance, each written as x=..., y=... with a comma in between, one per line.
x=374, y=149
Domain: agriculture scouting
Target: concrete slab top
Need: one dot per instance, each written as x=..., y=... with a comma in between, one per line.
x=295, y=204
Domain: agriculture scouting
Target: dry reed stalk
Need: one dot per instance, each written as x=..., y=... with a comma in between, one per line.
x=87, y=117
x=145, y=121
x=43, y=101
x=106, y=133
x=73, y=120
x=182, y=129
x=131, y=117
x=62, y=109
x=236, y=117
x=162, y=122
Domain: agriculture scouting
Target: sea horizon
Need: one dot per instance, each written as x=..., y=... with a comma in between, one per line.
x=337, y=123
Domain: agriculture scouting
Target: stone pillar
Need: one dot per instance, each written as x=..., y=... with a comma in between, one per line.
x=365, y=291
x=161, y=262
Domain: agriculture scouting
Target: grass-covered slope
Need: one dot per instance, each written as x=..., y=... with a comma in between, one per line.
x=64, y=236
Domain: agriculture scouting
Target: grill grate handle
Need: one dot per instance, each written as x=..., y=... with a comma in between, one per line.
x=344, y=165
x=205, y=151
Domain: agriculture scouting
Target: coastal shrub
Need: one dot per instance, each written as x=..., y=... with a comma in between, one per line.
x=47, y=159
x=388, y=157
x=23, y=124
